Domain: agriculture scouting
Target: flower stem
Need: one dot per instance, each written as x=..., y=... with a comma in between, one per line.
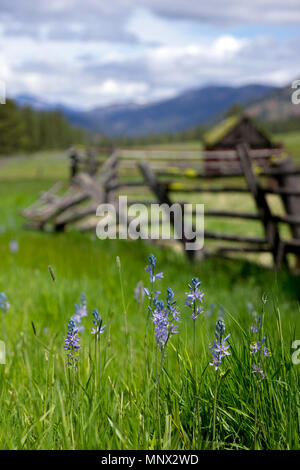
x=215, y=409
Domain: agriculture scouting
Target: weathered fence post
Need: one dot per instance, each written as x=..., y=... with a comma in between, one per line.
x=74, y=160
x=97, y=190
x=110, y=180
x=270, y=226
x=291, y=203
x=91, y=162
x=163, y=198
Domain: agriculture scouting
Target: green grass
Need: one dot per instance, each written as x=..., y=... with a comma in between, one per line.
x=291, y=141
x=43, y=406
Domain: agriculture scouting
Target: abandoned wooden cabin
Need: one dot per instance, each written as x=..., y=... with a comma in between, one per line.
x=221, y=141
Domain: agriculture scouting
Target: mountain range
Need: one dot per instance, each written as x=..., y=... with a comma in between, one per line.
x=275, y=106
x=189, y=109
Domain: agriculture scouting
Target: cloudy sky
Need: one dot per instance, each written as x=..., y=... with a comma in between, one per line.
x=86, y=53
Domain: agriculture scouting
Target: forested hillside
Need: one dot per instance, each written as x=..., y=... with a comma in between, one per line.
x=25, y=129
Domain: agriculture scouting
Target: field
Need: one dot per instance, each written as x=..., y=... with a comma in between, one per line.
x=291, y=141
x=126, y=393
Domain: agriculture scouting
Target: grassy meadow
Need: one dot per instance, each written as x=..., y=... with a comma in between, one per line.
x=126, y=393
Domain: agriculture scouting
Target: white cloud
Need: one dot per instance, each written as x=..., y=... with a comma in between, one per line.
x=5, y=70
x=227, y=46
x=118, y=89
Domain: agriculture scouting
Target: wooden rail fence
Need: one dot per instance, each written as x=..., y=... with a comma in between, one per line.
x=162, y=176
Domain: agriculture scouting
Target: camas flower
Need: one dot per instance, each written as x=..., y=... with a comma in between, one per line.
x=255, y=327
x=98, y=328
x=80, y=313
x=160, y=320
x=163, y=317
x=151, y=269
x=266, y=352
x=255, y=347
x=258, y=370
x=193, y=296
x=258, y=346
x=14, y=246
x=147, y=292
x=219, y=349
x=171, y=305
x=4, y=304
x=220, y=328
x=72, y=344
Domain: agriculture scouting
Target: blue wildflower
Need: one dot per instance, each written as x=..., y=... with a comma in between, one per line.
x=266, y=352
x=148, y=294
x=193, y=296
x=99, y=329
x=80, y=313
x=151, y=269
x=255, y=347
x=256, y=326
x=257, y=369
x=72, y=344
x=219, y=349
x=258, y=346
x=171, y=305
x=163, y=317
x=160, y=320
x=220, y=328
x=4, y=304
x=14, y=246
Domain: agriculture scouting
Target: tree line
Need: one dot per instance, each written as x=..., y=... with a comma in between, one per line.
x=23, y=129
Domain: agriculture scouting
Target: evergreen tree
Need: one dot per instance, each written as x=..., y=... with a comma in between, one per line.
x=12, y=131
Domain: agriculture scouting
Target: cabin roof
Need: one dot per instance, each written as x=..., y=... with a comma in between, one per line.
x=215, y=135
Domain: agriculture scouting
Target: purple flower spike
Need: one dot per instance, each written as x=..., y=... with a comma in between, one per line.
x=151, y=269
x=193, y=297
x=255, y=347
x=219, y=349
x=163, y=318
x=266, y=352
x=258, y=347
x=98, y=328
x=80, y=313
x=258, y=370
x=72, y=344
